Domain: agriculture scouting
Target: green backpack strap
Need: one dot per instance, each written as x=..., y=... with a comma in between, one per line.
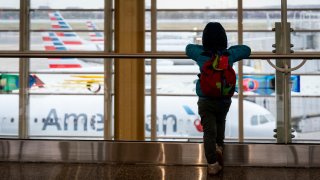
x=216, y=63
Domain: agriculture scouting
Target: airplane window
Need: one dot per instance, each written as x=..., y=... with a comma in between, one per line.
x=254, y=120
x=263, y=119
x=270, y=117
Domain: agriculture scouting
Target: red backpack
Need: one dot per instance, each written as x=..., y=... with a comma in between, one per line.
x=217, y=78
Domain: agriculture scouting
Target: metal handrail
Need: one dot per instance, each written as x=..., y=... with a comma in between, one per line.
x=166, y=55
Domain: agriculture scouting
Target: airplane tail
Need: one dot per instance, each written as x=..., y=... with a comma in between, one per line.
x=96, y=37
x=53, y=43
x=10, y=82
x=62, y=41
x=59, y=23
x=197, y=121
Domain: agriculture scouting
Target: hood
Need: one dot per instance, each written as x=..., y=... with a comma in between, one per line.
x=214, y=37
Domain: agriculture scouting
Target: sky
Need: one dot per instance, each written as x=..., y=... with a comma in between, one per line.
x=185, y=4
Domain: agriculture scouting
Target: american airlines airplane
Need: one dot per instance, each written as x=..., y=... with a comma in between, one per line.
x=83, y=116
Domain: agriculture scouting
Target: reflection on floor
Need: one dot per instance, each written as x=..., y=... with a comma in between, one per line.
x=68, y=171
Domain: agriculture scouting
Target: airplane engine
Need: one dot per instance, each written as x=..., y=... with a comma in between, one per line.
x=93, y=86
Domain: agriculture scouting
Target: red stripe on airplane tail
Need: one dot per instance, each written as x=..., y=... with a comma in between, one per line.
x=64, y=66
x=55, y=26
x=50, y=48
x=59, y=33
x=46, y=38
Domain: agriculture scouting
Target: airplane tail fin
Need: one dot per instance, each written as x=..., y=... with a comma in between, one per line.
x=63, y=40
x=53, y=43
x=59, y=23
x=96, y=37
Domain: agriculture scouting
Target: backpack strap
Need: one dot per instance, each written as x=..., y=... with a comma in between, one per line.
x=215, y=63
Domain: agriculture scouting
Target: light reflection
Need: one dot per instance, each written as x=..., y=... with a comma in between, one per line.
x=201, y=156
x=201, y=173
x=163, y=172
x=162, y=151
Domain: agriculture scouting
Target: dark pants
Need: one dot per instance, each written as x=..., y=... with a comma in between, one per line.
x=213, y=114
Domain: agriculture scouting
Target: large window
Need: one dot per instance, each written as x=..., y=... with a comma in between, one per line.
x=9, y=68
x=68, y=102
x=66, y=94
x=178, y=25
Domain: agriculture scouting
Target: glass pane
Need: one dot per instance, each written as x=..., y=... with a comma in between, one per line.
x=176, y=117
x=59, y=41
x=66, y=116
x=305, y=117
x=67, y=4
x=195, y=20
x=259, y=117
x=311, y=66
x=67, y=83
x=9, y=115
x=309, y=85
x=67, y=75
x=177, y=41
x=305, y=41
x=172, y=78
x=12, y=4
x=74, y=31
x=303, y=4
x=302, y=20
x=9, y=20
x=260, y=20
x=67, y=20
x=148, y=20
x=261, y=41
x=9, y=27
x=9, y=65
x=9, y=40
x=199, y=4
x=174, y=41
x=261, y=4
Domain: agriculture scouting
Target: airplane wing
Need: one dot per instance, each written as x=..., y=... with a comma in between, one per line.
x=296, y=121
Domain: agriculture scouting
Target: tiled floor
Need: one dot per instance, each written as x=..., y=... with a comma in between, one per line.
x=48, y=171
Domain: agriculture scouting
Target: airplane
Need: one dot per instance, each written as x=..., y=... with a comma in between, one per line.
x=83, y=116
x=181, y=119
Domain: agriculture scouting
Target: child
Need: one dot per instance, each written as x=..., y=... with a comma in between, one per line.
x=213, y=111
